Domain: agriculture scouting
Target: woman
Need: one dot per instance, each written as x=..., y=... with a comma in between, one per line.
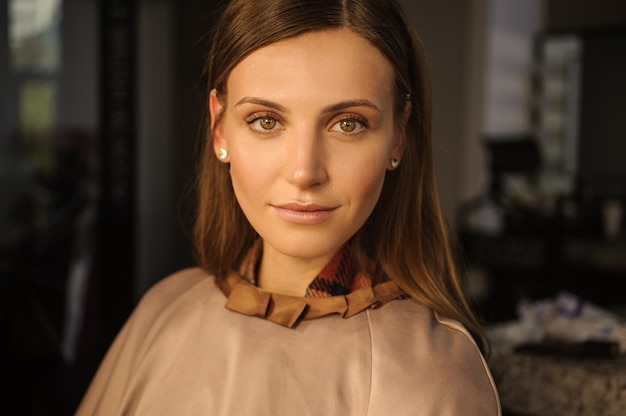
x=326, y=285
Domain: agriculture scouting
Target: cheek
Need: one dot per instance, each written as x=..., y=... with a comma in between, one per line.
x=246, y=173
x=254, y=172
x=247, y=166
x=364, y=178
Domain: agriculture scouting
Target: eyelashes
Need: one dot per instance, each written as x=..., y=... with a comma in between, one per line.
x=348, y=124
x=264, y=122
x=351, y=124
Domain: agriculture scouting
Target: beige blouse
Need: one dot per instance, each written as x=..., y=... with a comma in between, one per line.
x=183, y=353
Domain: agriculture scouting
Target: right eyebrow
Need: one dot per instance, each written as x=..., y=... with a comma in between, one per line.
x=355, y=103
x=263, y=102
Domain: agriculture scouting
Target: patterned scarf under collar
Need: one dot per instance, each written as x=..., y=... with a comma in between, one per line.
x=339, y=277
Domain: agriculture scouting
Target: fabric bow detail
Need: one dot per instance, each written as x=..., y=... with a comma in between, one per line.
x=285, y=310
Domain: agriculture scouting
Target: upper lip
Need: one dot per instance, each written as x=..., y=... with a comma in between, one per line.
x=304, y=206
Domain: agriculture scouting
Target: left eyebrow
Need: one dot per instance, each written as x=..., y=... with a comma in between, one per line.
x=354, y=103
x=263, y=102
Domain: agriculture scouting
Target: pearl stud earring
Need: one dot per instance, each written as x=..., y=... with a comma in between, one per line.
x=222, y=153
x=394, y=163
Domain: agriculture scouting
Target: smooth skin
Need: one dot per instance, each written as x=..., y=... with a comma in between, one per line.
x=310, y=132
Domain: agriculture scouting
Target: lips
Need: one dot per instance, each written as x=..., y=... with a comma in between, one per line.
x=304, y=214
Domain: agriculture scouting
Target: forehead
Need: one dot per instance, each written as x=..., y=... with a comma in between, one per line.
x=330, y=63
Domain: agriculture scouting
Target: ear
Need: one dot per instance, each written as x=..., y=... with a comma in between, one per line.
x=216, y=111
x=408, y=107
x=398, y=149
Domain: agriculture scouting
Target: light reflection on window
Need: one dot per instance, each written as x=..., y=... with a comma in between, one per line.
x=48, y=177
x=35, y=56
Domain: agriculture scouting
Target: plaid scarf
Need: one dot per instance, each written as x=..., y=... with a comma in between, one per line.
x=339, y=276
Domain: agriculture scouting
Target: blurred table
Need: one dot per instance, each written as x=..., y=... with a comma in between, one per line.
x=553, y=386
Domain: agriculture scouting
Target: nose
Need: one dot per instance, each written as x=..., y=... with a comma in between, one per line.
x=306, y=160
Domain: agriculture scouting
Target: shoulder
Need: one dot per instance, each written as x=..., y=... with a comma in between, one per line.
x=177, y=295
x=430, y=332
x=176, y=285
x=161, y=309
x=174, y=298
x=437, y=334
x=430, y=358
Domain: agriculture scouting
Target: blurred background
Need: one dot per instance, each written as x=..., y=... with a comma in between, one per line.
x=101, y=110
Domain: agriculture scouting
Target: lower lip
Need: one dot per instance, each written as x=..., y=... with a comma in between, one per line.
x=304, y=217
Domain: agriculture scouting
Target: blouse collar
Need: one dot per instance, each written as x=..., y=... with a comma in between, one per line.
x=338, y=289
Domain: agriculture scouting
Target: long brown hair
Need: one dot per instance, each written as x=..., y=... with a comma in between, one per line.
x=406, y=232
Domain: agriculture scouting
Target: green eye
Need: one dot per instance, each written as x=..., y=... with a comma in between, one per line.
x=347, y=125
x=267, y=123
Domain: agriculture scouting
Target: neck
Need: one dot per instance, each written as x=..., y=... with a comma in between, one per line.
x=287, y=275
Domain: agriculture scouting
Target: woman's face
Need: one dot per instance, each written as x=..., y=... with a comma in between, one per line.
x=309, y=127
